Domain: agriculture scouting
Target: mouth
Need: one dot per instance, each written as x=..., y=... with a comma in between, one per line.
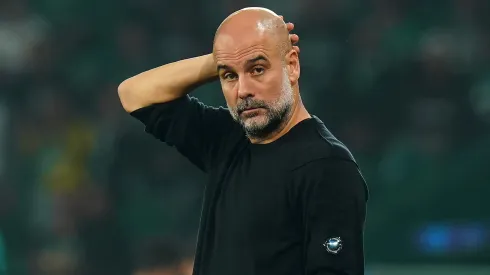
x=250, y=111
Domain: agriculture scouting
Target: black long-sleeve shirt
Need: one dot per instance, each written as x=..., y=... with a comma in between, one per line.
x=269, y=209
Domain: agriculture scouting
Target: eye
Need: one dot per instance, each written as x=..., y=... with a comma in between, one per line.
x=229, y=76
x=258, y=70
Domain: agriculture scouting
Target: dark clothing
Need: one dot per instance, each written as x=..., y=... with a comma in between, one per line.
x=268, y=209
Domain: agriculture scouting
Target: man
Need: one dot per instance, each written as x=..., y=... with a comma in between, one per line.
x=284, y=195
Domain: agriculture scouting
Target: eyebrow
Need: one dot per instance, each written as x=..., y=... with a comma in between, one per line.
x=255, y=59
x=223, y=67
x=248, y=62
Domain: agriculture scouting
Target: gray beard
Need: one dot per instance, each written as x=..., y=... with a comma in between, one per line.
x=275, y=122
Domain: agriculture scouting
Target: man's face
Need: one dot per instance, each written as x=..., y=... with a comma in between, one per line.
x=256, y=83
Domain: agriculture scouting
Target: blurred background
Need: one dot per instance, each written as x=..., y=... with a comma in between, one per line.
x=83, y=190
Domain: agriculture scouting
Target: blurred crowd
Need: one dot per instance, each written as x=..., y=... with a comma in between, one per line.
x=83, y=190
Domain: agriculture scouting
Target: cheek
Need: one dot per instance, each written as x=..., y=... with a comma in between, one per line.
x=271, y=88
x=229, y=94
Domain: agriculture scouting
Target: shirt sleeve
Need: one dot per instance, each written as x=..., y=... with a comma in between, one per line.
x=333, y=198
x=196, y=130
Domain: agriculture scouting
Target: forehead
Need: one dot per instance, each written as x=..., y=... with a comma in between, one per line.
x=237, y=48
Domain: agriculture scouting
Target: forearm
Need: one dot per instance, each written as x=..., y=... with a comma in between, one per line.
x=167, y=82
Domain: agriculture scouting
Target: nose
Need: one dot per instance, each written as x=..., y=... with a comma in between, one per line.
x=244, y=89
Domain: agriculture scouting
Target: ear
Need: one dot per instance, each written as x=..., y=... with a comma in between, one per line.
x=292, y=65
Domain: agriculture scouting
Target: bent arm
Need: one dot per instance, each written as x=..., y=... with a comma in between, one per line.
x=166, y=83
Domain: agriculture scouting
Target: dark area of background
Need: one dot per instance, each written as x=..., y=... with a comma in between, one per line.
x=405, y=84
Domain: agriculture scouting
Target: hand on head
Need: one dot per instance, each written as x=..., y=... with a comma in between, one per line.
x=294, y=37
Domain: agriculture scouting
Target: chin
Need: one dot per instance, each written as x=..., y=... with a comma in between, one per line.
x=256, y=121
x=257, y=127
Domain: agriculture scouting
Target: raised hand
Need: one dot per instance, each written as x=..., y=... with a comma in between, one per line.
x=294, y=37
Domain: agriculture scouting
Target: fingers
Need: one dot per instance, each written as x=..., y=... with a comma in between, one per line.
x=289, y=24
x=294, y=38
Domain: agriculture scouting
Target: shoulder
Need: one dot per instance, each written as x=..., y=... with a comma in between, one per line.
x=317, y=143
x=186, y=116
x=328, y=176
x=320, y=159
x=183, y=106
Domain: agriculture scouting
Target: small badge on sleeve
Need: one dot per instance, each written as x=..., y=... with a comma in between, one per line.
x=333, y=245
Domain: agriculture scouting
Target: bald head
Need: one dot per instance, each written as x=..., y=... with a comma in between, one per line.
x=254, y=24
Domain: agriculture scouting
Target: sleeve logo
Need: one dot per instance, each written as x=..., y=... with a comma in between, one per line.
x=333, y=245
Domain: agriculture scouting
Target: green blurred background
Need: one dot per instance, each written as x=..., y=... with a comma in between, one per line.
x=83, y=190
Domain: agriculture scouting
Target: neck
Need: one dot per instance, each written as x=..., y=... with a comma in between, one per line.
x=299, y=114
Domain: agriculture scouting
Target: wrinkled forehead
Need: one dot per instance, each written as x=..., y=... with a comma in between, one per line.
x=239, y=47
